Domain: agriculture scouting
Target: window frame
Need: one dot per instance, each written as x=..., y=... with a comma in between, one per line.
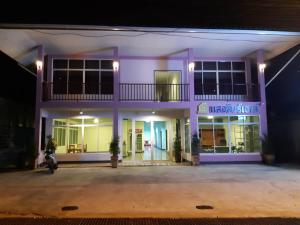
x=83, y=69
x=217, y=71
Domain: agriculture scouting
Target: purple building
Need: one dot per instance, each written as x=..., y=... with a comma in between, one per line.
x=146, y=84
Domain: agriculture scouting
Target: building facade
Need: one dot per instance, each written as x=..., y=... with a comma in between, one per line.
x=85, y=100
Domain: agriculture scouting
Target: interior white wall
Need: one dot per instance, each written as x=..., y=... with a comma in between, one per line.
x=142, y=70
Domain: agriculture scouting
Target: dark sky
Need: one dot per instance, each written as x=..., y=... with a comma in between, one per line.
x=238, y=14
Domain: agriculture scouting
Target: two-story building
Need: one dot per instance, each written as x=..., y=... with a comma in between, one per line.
x=145, y=84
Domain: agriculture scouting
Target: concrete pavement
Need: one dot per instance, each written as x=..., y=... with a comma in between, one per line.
x=242, y=190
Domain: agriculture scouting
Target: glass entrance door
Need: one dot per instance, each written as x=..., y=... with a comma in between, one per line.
x=145, y=140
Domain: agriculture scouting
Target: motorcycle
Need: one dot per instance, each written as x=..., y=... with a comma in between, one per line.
x=50, y=158
x=51, y=162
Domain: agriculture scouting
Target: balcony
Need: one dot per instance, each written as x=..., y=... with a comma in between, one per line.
x=154, y=92
x=226, y=92
x=77, y=91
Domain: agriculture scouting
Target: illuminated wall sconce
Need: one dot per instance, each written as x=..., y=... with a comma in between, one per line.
x=191, y=66
x=116, y=66
x=262, y=67
x=39, y=65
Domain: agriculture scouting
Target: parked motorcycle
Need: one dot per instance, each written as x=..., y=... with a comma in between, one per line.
x=50, y=158
x=51, y=161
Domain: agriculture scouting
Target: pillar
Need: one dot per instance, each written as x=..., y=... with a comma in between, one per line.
x=193, y=103
x=133, y=136
x=38, y=99
x=262, y=91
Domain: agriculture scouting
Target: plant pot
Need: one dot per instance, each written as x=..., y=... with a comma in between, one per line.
x=269, y=159
x=114, y=161
x=195, y=160
x=177, y=157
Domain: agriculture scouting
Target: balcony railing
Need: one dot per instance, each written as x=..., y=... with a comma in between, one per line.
x=154, y=92
x=78, y=91
x=226, y=92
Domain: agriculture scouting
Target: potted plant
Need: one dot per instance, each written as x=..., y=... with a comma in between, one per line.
x=114, y=150
x=195, y=149
x=268, y=155
x=177, y=148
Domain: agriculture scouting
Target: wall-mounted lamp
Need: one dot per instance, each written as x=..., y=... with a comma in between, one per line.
x=262, y=67
x=39, y=65
x=191, y=66
x=116, y=65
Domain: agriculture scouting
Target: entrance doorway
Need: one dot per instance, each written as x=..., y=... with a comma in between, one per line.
x=150, y=140
x=167, y=85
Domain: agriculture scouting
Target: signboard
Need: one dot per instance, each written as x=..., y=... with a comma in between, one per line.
x=228, y=108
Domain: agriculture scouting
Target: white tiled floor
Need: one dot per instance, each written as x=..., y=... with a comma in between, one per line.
x=150, y=153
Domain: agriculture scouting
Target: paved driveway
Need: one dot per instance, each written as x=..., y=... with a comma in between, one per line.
x=165, y=191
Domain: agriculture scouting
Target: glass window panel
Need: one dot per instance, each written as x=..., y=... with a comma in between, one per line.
x=237, y=119
x=237, y=138
x=91, y=64
x=221, y=135
x=210, y=83
x=60, y=63
x=224, y=65
x=60, y=82
x=92, y=82
x=239, y=83
x=106, y=64
x=91, y=134
x=198, y=83
x=198, y=66
x=205, y=119
x=209, y=65
x=252, y=119
x=76, y=64
x=107, y=82
x=75, y=82
x=225, y=83
x=206, y=138
x=252, y=140
x=221, y=119
x=238, y=65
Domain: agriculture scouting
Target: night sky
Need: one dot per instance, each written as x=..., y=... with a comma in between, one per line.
x=238, y=14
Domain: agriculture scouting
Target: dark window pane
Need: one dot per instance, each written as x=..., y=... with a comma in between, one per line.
x=198, y=83
x=238, y=65
x=60, y=82
x=239, y=78
x=198, y=66
x=224, y=65
x=210, y=83
x=225, y=84
x=60, y=63
x=239, y=83
x=209, y=65
x=76, y=64
x=75, y=82
x=107, y=82
x=91, y=64
x=106, y=64
x=91, y=82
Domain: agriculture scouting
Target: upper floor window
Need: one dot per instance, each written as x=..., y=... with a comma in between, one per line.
x=77, y=76
x=220, y=78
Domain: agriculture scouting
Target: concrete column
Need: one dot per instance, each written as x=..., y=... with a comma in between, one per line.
x=262, y=88
x=193, y=103
x=38, y=99
x=116, y=75
x=115, y=123
x=133, y=139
